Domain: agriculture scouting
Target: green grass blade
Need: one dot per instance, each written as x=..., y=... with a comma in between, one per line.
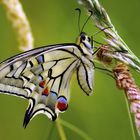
x=76, y=130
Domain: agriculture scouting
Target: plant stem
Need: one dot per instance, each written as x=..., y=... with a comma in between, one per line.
x=60, y=129
x=20, y=23
x=130, y=118
x=50, y=132
x=76, y=130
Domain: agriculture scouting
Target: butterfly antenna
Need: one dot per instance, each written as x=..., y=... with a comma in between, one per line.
x=79, y=15
x=91, y=13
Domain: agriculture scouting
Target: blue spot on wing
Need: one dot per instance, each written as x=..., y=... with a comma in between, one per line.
x=52, y=97
x=53, y=94
x=40, y=59
x=62, y=99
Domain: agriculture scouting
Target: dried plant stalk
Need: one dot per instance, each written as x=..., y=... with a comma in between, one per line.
x=102, y=21
x=102, y=55
x=109, y=56
x=126, y=82
x=20, y=23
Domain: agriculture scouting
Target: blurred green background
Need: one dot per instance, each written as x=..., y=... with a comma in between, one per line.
x=103, y=115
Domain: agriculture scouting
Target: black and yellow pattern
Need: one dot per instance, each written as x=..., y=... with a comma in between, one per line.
x=43, y=76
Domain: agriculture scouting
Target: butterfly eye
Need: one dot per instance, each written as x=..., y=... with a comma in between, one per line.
x=83, y=37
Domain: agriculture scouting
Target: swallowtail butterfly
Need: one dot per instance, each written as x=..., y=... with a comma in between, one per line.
x=43, y=76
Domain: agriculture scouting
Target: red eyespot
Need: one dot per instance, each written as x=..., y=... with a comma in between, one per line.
x=62, y=103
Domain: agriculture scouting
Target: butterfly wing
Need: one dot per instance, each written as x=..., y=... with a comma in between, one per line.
x=42, y=76
x=13, y=71
x=85, y=75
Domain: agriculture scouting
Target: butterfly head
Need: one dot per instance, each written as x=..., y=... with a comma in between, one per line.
x=85, y=42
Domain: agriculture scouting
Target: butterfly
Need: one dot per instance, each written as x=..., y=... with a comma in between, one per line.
x=43, y=76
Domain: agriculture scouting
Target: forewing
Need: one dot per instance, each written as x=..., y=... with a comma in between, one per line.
x=13, y=71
